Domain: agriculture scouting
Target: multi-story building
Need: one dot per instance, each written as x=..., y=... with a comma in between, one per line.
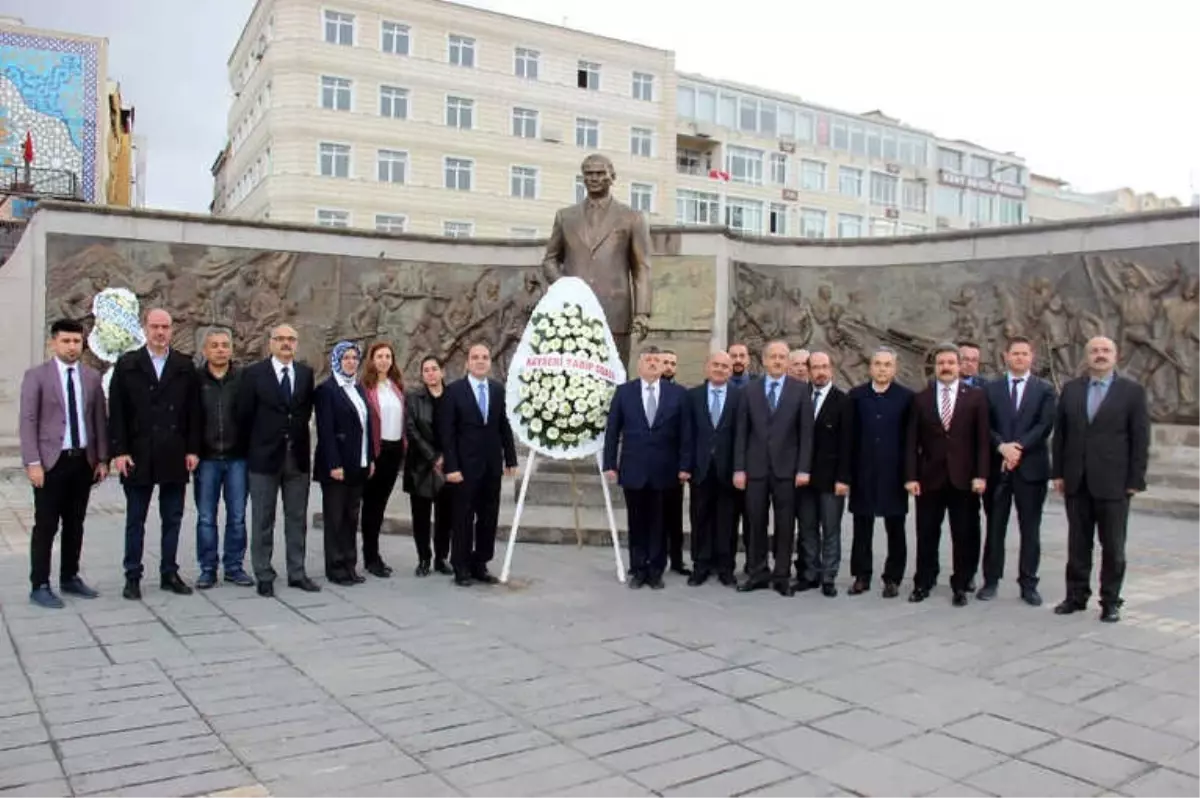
x=1052, y=199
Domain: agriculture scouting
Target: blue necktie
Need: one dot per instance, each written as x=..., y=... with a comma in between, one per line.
x=483, y=401
x=714, y=407
x=1094, y=400
x=773, y=396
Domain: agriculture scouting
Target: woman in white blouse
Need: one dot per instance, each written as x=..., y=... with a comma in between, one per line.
x=385, y=401
x=343, y=461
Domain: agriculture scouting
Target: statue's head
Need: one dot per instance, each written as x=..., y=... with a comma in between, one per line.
x=825, y=292
x=1130, y=277
x=599, y=174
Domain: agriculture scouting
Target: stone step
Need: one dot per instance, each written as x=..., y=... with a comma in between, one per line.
x=556, y=490
x=1173, y=477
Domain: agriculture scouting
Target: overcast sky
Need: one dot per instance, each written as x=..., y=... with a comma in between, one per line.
x=1101, y=93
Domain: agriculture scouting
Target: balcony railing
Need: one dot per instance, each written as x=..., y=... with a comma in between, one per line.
x=56, y=183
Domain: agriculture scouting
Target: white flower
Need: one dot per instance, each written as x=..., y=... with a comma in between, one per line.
x=535, y=425
x=581, y=406
x=581, y=343
x=569, y=345
x=527, y=412
x=570, y=437
x=547, y=416
x=552, y=433
x=544, y=325
x=560, y=382
x=535, y=339
x=572, y=310
x=554, y=345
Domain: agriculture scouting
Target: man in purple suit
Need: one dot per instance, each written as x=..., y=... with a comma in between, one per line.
x=64, y=448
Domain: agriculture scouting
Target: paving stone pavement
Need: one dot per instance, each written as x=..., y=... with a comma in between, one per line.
x=566, y=683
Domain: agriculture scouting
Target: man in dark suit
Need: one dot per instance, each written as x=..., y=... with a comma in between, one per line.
x=772, y=456
x=274, y=406
x=822, y=502
x=710, y=417
x=968, y=373
x=1101, y=449
x=673, y=499
x=1020, y=419
x=155, y=426
x=646, y=419
x=947, y=469
x=478, y=449
x=739, y=377
x=64, y=447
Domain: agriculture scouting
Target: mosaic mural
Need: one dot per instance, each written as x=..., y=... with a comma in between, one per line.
x=49, y=88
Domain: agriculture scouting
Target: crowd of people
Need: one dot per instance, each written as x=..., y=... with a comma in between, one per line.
x=777, y=456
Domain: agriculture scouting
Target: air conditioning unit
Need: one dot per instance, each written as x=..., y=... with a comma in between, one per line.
x=703, y=131
x=552, y=134
x=893, y=168
x=892, y=213
x=790, y=194
x=787, y=146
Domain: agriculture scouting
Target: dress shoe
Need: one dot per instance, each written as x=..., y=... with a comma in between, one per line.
x=357, y=578
x=305, y=584
x=441, y=567
x=918, y=595
x=379, y=570
x=133, y=589
x=728, y=580
x=266, y=589
x=423, y=568
x=655, y=582
x=207, y=579
x=784, y=589
x=1031, y=597
x=829, y=590
x=341, y=580
x=891, y=590
x=462, y=580
x=636, y=581
x=697, y=578
x=1069, y=606
x=750, y=585
x=77, y=587
x=681, y=569
x=960, y=598
x=986, y=593
x=173, y=584
x=859, y=587
x=239, y=578
x=1109, y=613
x=43, y=596
x=483, y=577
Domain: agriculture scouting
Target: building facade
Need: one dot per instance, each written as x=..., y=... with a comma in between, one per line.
x=1052, y=199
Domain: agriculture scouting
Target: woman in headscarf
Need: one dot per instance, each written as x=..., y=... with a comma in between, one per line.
x=431, y=496
x=343, y=461
x=385, y=402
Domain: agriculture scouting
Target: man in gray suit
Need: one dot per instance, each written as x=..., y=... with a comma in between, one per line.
x=64, y=447
x=606, y=244
x=772, y=456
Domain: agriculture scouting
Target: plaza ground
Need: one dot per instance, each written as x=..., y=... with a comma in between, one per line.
x=567, y=683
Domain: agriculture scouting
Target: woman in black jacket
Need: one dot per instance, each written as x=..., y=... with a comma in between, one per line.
x=423, y=479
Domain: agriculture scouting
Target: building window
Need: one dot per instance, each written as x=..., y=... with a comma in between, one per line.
x=641, y=197
x=883, y=189
x=458, y=173
x=643, y=86
x=948, y=201
x=767, y=119
x=748, y=114
x=335, y=93
x=460, y=113
x=889, y=145
x=335, y=159
x=390, y=223
x=523, y=181
x=744, y=165
x=858, y=140
x=850, y=181
x=462, y=51
x=685, y=102
x=777, y=220
x=779, y=168
x=981, y=167
x=981, y=208
x=641, y=141
x=587, y=133
x=841, y=135
x=913, y=151
x=950, y=160
x=393, y=102
x=727, y=111
x=882, y=228
x=524, y=123
x=697, y=207
x=804, y=126
x=913, y=196
x=525, y=63
x=523, y=233
x=812, y=223
x=744, y=216
x=849, y=226
x=328, y=218
x=587, y=76
x=339, y=28
x=692, y=162
x=458, y=229
x=392, y=165
x=580, y=189
x=1012, y=211
x=395, y=38
x=874, y=142
x=812, y=175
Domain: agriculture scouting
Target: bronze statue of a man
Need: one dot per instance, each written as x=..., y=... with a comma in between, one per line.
x=606, y=244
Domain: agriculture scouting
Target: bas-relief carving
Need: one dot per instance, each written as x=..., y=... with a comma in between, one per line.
x=684, y=294
x=1145, y=299
x=422, y=308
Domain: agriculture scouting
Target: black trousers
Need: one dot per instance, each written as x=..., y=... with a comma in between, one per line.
x=476, y=510
x=1087, y=516
x=780, y=496
x=1029, y=497
x=644, y=510
x=376, y=494
x=436, y=516
x=340, y=503
x=963, y=509
x=63, y=498
x=673, y=524
x=819, y=554
x=862, y=549
x=714, y=531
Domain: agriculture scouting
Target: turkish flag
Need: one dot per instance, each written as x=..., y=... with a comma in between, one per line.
x=28, y=149
x=717, y=174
